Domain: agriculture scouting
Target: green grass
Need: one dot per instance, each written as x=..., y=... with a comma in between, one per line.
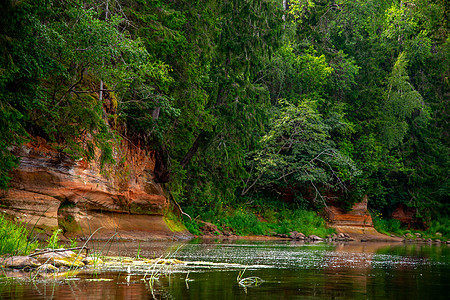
x=442, y=226
x=192, y=226
x=438, y=229
x=53, y=240
x=305, y=221
x=245, y=221
x=387, y=226
x=14, y=238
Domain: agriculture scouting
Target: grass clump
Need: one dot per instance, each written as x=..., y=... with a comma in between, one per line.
x=192, y=226
x=243, y=222
x=14, y=238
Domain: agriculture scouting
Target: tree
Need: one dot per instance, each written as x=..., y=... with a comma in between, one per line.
x=298, y=150
x=401, y=102
x=247, y=34
x=54, y=56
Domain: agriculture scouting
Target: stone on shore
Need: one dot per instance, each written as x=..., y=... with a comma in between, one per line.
x=315, y=238
x=296, y=235
x=20, y=262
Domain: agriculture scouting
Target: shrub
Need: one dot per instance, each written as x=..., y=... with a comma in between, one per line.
x=305, y=221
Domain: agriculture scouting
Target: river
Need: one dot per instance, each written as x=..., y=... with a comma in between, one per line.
x=274, y=270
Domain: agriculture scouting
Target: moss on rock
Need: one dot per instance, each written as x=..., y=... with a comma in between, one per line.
x=173, y=222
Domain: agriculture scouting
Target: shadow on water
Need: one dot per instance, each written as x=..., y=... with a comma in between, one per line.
x=289, y=270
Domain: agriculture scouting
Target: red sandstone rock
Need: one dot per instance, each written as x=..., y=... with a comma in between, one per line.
x=357, y=223
x=357, y=216
x=49, y=190
x=407, y=215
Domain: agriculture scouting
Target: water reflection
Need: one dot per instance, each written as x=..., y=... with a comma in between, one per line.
x=290, y=270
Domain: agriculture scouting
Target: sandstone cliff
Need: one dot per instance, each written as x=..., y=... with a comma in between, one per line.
x=49, y=190
x=357, y=223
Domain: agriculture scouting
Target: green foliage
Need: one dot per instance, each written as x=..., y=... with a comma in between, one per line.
x=192, y=226
x=306, y=222
x=210, y=144
x=10, y=127
x=298, y=150
x=402, y=100
x=293, y=75
x=332, y=98
x=271, y=220
x=440, y=226
x=53, y=240
x=14, y=238
x=387, y=226
x=73, y=242
x=438, y=229
x=55, y=59
x=384, y=56
x=244, y=222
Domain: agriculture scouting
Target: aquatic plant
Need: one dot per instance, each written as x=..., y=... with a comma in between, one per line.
x=158, y=267
x=138, y=256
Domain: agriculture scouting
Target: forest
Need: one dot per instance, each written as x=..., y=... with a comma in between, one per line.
x=248, y=104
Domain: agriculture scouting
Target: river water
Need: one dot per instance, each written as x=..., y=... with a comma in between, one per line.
x=277, y=270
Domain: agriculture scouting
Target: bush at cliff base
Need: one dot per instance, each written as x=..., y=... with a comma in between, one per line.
x=14, y=238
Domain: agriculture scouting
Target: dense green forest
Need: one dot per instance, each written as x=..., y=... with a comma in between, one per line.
x=301, y=103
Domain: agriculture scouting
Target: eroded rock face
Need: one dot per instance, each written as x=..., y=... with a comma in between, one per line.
x=407, y=215
x=357, y=223
x=357, y=216
x=49, y=190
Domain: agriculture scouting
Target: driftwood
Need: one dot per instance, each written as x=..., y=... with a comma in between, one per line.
x=60, y=250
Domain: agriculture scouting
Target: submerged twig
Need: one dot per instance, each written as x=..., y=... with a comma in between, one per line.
x=248, y=281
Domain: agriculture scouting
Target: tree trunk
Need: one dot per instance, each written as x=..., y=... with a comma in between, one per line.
x=202, y=138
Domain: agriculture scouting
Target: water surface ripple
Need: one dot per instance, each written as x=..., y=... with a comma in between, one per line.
x=284, y=270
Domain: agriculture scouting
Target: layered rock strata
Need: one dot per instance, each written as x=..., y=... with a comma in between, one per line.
x=356, y=223
x=49, y=191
